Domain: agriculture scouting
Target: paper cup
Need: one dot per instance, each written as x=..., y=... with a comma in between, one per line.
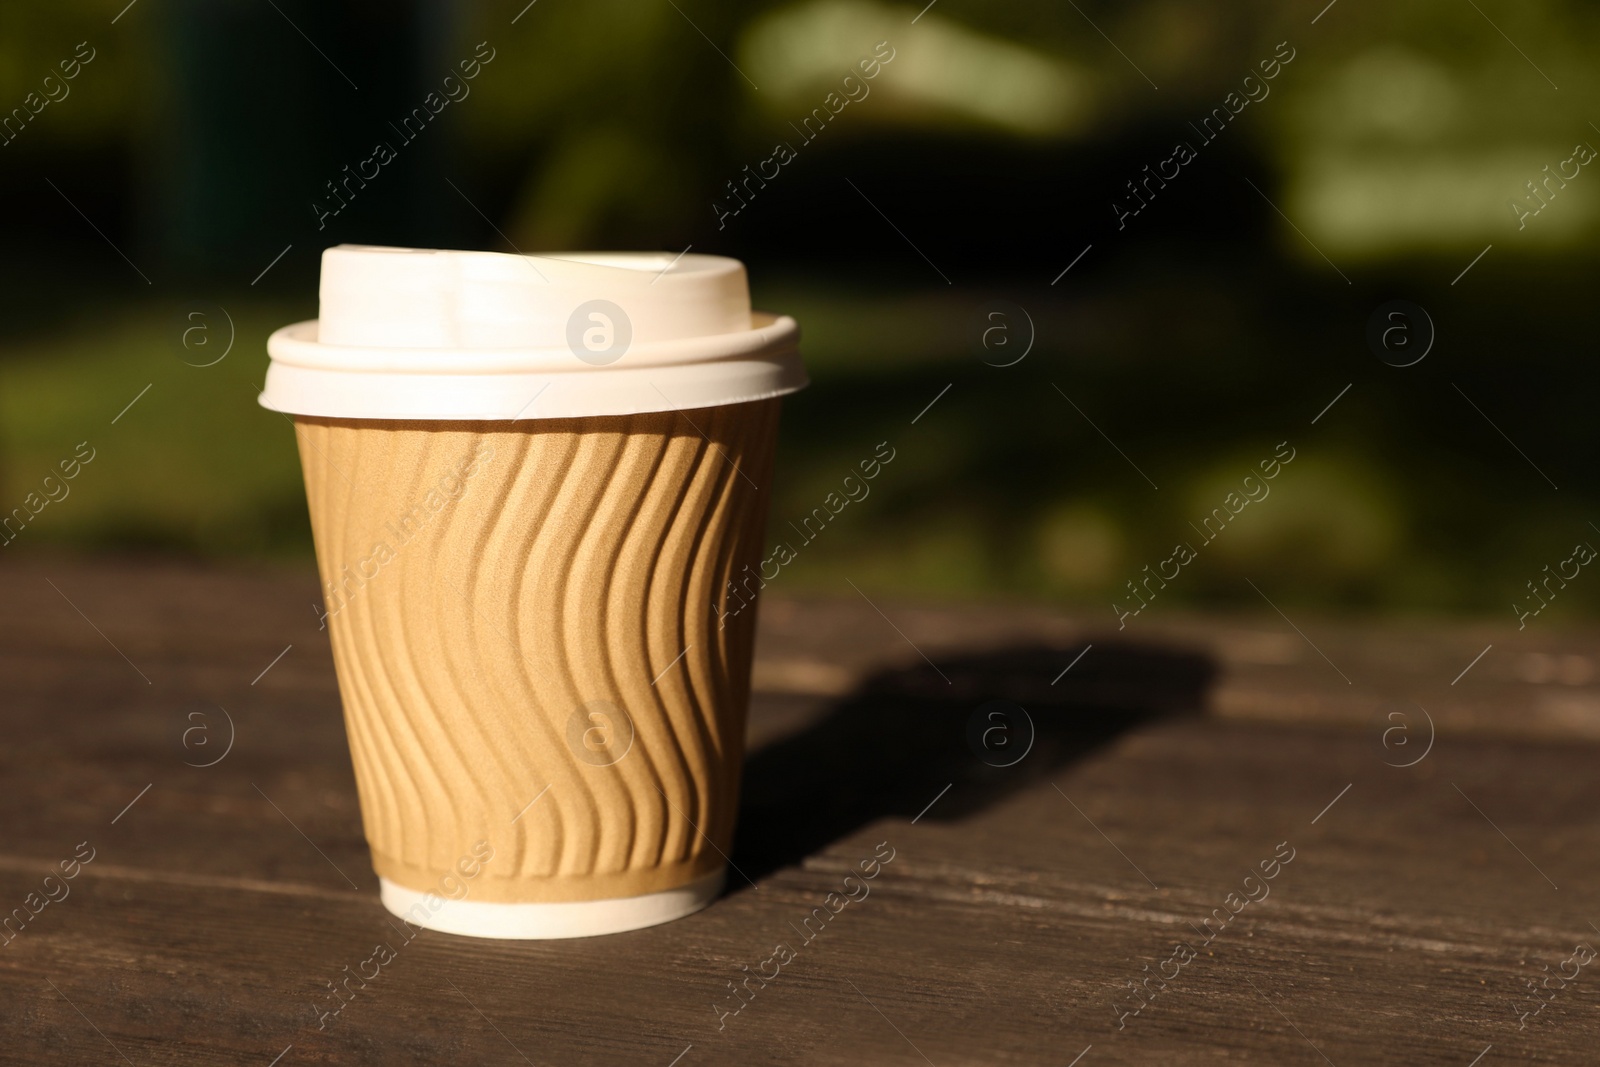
x=533, y=574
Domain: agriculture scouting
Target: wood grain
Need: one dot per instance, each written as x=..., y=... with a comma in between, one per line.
x=1004, y=930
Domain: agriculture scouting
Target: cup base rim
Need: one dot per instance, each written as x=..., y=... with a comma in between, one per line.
x=550, y=920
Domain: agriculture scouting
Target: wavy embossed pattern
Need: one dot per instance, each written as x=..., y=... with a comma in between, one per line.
x=531, y=610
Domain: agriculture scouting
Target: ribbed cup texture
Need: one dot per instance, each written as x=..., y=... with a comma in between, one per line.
x=538, y=613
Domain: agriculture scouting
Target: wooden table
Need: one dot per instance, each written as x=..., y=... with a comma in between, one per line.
x=1168, y=764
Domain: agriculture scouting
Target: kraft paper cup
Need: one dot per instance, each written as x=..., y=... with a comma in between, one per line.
x=536, y=484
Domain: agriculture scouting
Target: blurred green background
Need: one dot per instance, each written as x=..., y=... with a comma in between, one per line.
x=147, y=195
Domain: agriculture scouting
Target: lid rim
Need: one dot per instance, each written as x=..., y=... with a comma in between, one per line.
x=530, y=396
x=295, y=345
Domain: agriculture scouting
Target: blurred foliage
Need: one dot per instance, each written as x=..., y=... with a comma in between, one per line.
x=189, y=467
x=1212, y=325
x=36, y=37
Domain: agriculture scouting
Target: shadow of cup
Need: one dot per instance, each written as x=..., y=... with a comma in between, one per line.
x=999, y=725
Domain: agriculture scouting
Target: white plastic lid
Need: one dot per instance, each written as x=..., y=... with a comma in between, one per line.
x=426, y=334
